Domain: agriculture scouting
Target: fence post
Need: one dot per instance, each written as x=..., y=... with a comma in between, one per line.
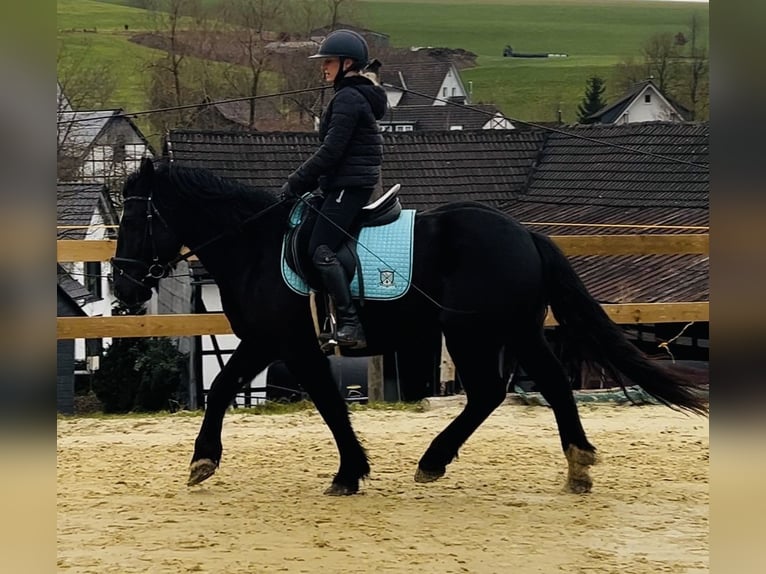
x=375, y=378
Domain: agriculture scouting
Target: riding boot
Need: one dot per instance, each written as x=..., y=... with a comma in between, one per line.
x=349, y=332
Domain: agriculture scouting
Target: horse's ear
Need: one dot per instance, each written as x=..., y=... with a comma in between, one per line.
x=147, y=168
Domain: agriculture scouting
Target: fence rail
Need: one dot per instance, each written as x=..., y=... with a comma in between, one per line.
x=660, y=244
x=177, y=325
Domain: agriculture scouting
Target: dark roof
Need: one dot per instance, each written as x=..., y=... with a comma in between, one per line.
x=73, y=288
x=611, y=112
x=440, y=118
x=76, y=203
x=494, y=166
x=626, y=278
x=573, y=170
x=433, y=167
x=543, y=179
x=424, y=77
x=66, y=306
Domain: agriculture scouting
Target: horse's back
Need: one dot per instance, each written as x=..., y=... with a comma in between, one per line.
x=478, y=250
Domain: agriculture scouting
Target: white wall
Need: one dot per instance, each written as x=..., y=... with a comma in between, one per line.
x=657, y=109
x=227, y=343
x=451, y=87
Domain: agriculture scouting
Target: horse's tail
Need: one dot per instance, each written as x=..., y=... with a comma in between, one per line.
x=590, y=336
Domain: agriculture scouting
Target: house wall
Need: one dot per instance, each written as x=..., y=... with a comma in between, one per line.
x=65, y=362
x=394, y=96
x=451, y=87
x=226, y=344
x=498, y=122
x=656, y=110
x=117, y=152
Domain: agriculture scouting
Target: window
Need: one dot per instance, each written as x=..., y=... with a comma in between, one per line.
x=404, y=128
x=647, y=98
x=93, y=277
x=386, y=128
x=444, y=92
x=454, y=92
x=455, y=128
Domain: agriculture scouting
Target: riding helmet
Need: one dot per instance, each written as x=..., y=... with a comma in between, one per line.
x=343, y=44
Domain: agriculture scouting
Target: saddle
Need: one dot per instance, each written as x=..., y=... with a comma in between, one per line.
x=384, y=214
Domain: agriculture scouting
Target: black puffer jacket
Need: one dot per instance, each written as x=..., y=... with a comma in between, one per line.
x=351, y=151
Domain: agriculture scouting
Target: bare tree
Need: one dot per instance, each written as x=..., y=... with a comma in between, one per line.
x=339, y=10
x=84, y=83
x=677, y=63
x=661, y=54
x=255, y=22
x=696, y=84
x=166, y=84
x=306, y=15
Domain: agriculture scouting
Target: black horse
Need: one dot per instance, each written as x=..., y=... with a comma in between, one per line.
x=479, y=277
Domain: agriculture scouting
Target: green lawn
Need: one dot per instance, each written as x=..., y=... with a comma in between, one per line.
x=596, y=34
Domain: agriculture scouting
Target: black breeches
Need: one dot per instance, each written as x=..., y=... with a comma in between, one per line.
x=339, y=212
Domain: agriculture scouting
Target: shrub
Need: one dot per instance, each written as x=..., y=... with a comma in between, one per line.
x=139, y=375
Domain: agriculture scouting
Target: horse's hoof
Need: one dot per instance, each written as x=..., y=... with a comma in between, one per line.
x=200, y=470
x=336, y=489
x=428, y=475
x=579, y=485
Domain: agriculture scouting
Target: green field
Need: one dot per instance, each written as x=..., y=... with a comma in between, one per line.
x=596, y=34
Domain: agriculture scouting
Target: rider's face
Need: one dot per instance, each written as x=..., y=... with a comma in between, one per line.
x=330, y=67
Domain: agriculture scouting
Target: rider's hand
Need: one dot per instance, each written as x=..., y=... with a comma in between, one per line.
x=287, y=192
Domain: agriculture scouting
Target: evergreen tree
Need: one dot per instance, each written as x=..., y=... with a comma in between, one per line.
x=593, y=100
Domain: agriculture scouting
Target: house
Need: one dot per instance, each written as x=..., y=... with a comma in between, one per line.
x=429, y=83
x=70, y=296
x=85, y=211
x=438, y=118
x=643, y=103
x=98, y=145
x=430, y=96
x=555, y=183
x=270, y=114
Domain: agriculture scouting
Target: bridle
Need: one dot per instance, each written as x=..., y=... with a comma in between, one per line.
x=157, y=270
x=154, y=270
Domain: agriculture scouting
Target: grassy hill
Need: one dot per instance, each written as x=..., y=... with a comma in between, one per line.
x=596, y=34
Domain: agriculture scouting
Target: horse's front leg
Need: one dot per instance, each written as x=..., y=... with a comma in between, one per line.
x=312, y=369
x=249, y=359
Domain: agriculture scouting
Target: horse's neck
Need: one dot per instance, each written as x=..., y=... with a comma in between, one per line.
x=226, y=251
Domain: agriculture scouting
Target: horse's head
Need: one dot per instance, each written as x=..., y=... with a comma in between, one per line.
x=146, y=245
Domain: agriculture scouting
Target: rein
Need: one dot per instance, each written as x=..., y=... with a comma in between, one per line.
x=157, y=270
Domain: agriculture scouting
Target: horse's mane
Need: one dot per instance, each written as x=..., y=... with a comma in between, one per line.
x=226, y=198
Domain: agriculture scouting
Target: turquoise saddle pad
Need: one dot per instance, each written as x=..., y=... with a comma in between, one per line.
x=385, y=254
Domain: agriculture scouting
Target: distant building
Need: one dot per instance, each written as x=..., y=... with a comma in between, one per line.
x=643, y=103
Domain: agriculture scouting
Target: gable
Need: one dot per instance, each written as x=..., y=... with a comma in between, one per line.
x=649, y=105
x=425, y=78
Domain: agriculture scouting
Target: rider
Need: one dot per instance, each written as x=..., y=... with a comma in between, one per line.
x=346, y=166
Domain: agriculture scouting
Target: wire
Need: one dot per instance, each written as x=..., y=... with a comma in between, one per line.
x=188, y=106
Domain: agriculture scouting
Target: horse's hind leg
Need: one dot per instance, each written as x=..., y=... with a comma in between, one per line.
x=246, y=362
x=478, y=365
x=540, y=363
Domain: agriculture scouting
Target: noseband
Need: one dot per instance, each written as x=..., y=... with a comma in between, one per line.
x=154, y=270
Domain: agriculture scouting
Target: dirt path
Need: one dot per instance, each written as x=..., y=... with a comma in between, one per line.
x=123, y=506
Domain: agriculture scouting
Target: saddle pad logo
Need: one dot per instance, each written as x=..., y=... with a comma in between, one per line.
x=386, y=278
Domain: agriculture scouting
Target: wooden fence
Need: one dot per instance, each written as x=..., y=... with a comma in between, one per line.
x=216, y=323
